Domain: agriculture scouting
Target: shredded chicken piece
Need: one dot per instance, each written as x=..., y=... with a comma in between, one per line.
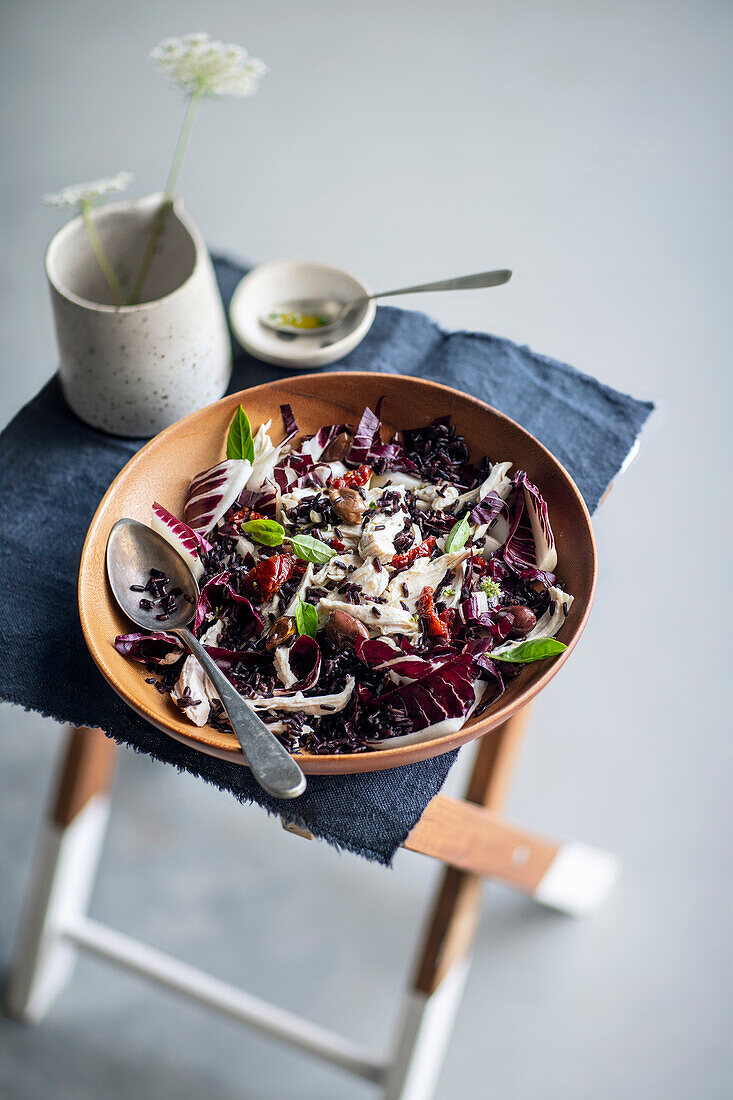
x=281, y=660
x=313, y=704
x=371, y=580
x=192, y=676
x=408, y=585
x=378, y=534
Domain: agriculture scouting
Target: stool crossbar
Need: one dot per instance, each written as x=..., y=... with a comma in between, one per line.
x=469, y=836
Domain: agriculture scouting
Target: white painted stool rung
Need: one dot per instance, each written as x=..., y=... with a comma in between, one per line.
x=116, y=947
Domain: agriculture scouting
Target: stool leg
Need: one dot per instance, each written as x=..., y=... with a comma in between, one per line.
x=62, y=875
x=572, y=878
x=432, y=1001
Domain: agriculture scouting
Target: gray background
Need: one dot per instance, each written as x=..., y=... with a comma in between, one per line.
x=586, y=145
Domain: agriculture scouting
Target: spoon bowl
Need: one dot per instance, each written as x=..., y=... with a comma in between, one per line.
x=133, y=550
x=307, y=316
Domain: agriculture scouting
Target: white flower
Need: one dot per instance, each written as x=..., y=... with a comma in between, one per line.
x=197, y=63
x=82, y=194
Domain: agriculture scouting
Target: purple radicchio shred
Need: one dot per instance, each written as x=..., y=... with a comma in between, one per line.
x=487, y=510
x=155, y=648
x=519, y=548
x=289, y=422
x=304, y=658
x=217, y=596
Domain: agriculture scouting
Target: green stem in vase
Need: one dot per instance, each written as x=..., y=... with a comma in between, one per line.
x=156, y=229
x=101, y=256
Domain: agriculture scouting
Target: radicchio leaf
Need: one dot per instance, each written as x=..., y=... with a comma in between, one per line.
x=518, y=551
x=544, y=541
x=475, y=610
x=367, y=434
x=218, y=594
x=383, y=657
x=445, y=693
x=300, y=469
x=367, y=446
x=289, y=422
x=247, y=499
x=230, y=658
x=212, y=493
x=156, y=648
x=187, y=542
x=304, y=657
x=488, y=509
x=263, y=501
x=293, y=471
x=479, y=649
x=387, y=457
x=327, y=434
x=374, y=652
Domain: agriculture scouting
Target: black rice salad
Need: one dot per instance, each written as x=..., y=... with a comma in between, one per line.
x=357, y=592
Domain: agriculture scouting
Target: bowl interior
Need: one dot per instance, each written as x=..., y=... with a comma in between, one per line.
x=290, y=280
x=163, y=469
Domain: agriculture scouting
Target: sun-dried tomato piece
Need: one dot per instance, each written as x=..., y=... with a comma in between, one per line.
x=352, y=480
x=448, y=617
x=244, y=515
x=422, y=550
x=269, y=575
x=435, y=627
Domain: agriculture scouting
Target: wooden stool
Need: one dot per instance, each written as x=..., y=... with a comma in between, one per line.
x=469, y=836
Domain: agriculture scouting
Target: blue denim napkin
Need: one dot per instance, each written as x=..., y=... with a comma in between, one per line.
x=54, y=471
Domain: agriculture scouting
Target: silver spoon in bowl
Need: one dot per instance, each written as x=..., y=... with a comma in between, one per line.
x=132, y=551
x=312, y=316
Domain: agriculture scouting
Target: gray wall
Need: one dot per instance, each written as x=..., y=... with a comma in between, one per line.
x=587, y=146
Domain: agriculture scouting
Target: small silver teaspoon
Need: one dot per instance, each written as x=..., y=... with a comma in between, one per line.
x=132, y=551
x=312, y=316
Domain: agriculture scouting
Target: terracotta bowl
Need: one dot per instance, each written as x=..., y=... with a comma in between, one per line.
x=163, y=468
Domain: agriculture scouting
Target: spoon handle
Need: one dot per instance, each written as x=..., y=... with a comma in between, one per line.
x=271, y=764
x=465, y=282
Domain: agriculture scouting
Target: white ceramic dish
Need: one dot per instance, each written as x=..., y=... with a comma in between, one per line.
x=283, y=280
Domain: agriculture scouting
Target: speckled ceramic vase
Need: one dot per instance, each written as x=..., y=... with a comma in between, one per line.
x=133, y=370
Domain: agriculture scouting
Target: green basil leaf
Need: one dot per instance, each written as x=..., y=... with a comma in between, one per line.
x=535, y=650
x=458, y=535
x=306, y=618
x=310, y=549
x=239, y=440
x=266, y=531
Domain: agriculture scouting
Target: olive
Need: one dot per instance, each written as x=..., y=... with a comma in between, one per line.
x=524, y=620
x=347, y=504
x=344, y=629
x=337, y=448
x=280, y=631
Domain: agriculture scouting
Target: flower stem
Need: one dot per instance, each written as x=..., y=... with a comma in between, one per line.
x=156, y=229
x=193, y=105
x=101, y=256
